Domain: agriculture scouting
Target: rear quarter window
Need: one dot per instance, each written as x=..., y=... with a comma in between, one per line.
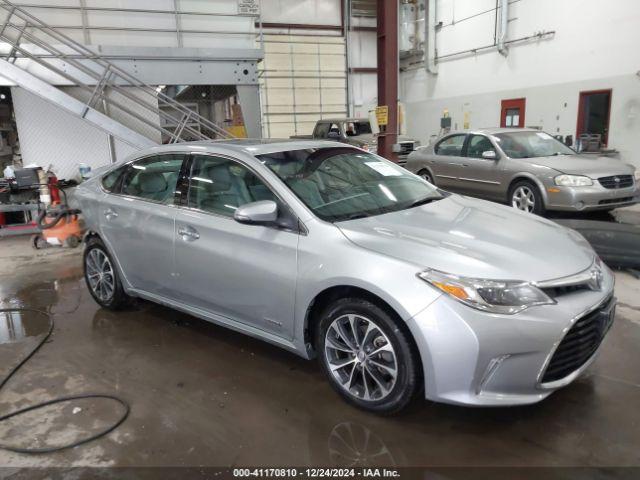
x=110, y=180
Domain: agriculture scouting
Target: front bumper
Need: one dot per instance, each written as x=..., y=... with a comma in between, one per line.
x=472, y=357
x=595, y=197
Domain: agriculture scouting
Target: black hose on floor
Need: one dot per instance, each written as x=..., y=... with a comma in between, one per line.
x=37, y=406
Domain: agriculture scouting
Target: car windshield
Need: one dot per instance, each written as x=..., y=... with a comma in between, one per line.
x=353, y=129
x=344, y=184
x=530, y=145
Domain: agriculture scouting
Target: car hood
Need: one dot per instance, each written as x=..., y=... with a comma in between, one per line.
x=592, y=166
x=474, y=238
x=371, y=138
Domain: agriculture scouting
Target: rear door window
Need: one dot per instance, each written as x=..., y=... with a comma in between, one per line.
x=322, y=129
x=451, y=146
x=153, y=178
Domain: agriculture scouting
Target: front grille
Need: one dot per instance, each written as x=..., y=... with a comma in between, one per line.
x=406, y=148
x=555, y=292
x=580, y=343
x=609, y=201
x=616, y=181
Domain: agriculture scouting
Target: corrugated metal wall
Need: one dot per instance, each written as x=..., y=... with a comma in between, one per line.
x=50, y=136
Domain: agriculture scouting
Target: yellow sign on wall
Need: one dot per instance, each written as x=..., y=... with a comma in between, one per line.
x=382, y=115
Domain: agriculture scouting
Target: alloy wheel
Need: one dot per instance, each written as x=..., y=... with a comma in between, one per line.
x=523, y=199
x=360, y=357
x=100, y=274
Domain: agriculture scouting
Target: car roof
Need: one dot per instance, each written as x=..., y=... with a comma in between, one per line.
x=492, y=130
x=251, y=146
x=343, y=119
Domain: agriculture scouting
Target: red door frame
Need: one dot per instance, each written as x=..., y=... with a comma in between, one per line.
x=581, y=102
x=519, y=103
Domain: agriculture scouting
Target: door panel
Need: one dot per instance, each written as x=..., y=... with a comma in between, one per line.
x=244, y=272
x=481, y=176
x=447, y=161
x=137, y=222
x=512, y=113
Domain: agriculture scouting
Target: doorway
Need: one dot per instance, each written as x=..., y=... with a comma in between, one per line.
x=593, y=113
x=512, y=113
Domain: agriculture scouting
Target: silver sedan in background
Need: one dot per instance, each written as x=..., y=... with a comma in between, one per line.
x=527, y=168
x=398, y=288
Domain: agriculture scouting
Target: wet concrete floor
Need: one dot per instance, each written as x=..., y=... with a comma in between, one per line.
x=202, y=395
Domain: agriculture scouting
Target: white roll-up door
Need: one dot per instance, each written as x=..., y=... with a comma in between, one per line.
x=303, y=79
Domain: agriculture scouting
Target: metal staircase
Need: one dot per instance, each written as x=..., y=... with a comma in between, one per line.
x=34, y=56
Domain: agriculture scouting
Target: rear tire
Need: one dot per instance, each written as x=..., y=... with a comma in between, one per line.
x=102, y=278
x=38, y=242
x=525, y=196
x=367, y=358
x=72, y=241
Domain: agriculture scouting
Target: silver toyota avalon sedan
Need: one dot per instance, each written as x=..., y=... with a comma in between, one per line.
x=398, y=288
x=526, y=168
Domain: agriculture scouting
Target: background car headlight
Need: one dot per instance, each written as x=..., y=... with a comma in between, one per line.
x=494, y=296
x=573, y=181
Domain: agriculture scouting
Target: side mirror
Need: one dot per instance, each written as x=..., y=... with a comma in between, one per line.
x=489, y=155
x=264, y=212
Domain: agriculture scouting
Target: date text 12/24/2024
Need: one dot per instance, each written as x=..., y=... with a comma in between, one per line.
x=316, y=473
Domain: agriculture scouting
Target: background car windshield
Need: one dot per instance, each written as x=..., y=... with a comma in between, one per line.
x=343, y=183
x=530, y=145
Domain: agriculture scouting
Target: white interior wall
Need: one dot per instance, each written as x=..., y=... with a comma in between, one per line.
x=315, y=12
x=594, y=47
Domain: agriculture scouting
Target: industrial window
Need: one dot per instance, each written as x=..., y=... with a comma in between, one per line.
x=153, y=178
x=451, y=146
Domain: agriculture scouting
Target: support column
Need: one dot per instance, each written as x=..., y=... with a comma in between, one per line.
x=388, y=74
x=249, y=98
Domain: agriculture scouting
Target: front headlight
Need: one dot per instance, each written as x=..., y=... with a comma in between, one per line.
x=493, y=296
x=573, y=181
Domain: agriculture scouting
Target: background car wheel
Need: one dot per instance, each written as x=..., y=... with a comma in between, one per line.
x=38, y=242
x=525, y=196
x=367, y=357
x=102, y=277
x=72, y=241
x=425, y=175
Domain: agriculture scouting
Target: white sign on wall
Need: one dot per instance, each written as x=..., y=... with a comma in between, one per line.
x=249, y=7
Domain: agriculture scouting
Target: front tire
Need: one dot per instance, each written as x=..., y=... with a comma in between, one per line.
x=367, y=357
x=102, y=277
x=525, y=196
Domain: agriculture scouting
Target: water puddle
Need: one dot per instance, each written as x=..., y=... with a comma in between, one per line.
x=16, y=326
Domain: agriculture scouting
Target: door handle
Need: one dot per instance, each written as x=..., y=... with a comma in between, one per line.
x=109, y=214
x=188, y=233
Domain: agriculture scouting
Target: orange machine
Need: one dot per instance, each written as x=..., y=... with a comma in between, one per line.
x=60, y=225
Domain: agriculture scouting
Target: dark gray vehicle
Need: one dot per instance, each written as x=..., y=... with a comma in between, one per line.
x=356, y=132
x=526, y=168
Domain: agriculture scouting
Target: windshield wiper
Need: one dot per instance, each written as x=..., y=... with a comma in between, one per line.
x=424, y=201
